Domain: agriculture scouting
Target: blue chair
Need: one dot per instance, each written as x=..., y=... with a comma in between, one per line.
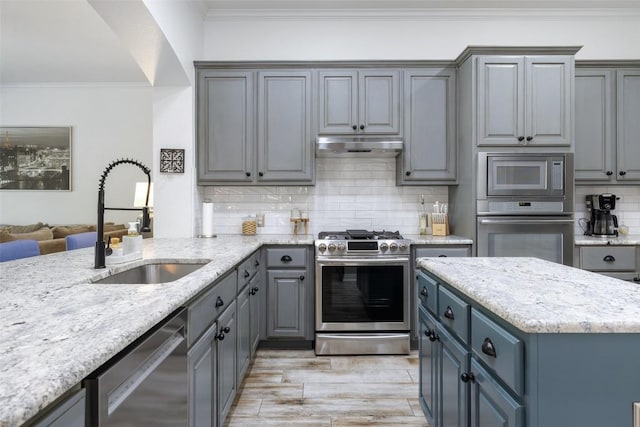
x=81, y=240
x=18, y=249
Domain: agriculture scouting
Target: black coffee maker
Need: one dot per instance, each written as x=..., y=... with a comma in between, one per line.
x=601, y=221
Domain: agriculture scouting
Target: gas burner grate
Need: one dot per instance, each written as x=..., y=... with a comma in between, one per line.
x=359, y=235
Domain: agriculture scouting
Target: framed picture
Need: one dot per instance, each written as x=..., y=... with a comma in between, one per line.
x=35, y=158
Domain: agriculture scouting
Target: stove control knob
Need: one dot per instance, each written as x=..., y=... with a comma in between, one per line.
x=322, y=247
x=393, y=246
x=403, y=246
x=332, y=247
x=341, y=247
x=384, y=246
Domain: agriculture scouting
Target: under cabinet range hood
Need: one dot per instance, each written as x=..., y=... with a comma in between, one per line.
x=358, y=145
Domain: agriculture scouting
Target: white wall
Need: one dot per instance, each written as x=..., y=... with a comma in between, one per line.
x=406, y=37
x=108, y=122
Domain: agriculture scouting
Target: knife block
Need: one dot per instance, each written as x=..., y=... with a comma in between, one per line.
x=440, y=229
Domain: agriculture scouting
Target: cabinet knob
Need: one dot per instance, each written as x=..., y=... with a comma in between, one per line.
x=257, y=263
x=442, y=256
x=225, y=330
x=301, y=277
x=285, y=258
x=260, y=173
x=488, y=348
x=609, y=173
x=254, y=290
x=361, y=127
x=248, y=173
x=636, y=279
x=354, y=127
x=424, y=292
x=622, y=173
x=246, y=274
x=448, y=313
x=609, y=258
x=529, y=138
x=431, y=334
x=521, y=138
x=408, y=173
x=466, y=377
x=219, y=302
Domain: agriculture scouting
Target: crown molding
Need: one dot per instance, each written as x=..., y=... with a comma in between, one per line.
x=424, y=14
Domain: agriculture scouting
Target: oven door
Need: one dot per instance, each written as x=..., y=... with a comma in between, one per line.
x=363, y=294
x=548, y=238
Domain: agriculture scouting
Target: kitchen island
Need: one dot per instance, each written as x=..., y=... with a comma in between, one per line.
x=526, y=342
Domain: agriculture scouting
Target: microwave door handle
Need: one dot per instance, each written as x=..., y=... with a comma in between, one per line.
x=526, y=221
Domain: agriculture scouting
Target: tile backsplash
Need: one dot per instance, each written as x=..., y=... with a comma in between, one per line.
x=627, y=208
x=350, y=193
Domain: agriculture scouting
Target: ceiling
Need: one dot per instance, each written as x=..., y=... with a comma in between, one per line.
x=58, y=41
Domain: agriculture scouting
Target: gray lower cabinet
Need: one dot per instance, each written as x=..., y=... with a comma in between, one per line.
x=607, y=107
x=525, y=100
x=490, y=405
x=227, y=361
x=621, y=262
x=359, y=101
x=256, y=293
x=202, y=385
x=69, y=413
x=243, y=313
x=254, y=127
x=429, y=153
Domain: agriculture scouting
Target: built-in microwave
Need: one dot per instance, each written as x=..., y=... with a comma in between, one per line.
x=525, y=183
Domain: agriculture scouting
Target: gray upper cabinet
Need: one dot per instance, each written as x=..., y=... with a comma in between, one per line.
x=225, y=126
x=628, y=125
x=607, y=110
x=429, y=153
x=525, y=100
x=359, y=102
x=254, y=127
x=285, y=144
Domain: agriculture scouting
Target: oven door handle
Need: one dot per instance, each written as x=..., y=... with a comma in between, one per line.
x=361, y=261
x=525, y=221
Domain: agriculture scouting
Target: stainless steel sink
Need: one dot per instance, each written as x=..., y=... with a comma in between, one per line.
x=152, y=273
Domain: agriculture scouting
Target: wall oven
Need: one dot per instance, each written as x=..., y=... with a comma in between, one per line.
x=525, y=204
x=362, y=293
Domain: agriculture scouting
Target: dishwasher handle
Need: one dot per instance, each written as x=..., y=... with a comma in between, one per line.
x=525, y=221
x=146, y=368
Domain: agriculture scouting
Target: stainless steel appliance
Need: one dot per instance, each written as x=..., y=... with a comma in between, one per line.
x=601, y=223
x=525, y=205
x=362, y=293
x=146, y=384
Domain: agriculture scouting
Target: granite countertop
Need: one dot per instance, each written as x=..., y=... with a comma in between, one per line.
x=56, y=327
x=539, y=296
x=628, y=240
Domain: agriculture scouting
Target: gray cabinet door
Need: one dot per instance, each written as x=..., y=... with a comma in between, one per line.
x=286, y=303
x=338, y=102
x=454, y=394
x=379, y=102
x=285, y=145
x=68, y=413
x=500, y=103
x=594, y=127
x=359, y=102
x=429, y=362
x=525, y=100
x=201, y=364
x=225, y=123
x=429, y=127
x=491, y=405
x=226, y=354
x=628, y=126
x=243, y=344
x=549, y=100
x=255, y=303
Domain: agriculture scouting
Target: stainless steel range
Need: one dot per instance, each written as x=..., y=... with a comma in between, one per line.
x=362, y=293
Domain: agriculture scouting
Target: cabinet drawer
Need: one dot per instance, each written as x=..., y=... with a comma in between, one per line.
x=443, y=252
x=208, y=307
x=498, y=349
x=248, y=269
x=453, y=313
x=428, y=292
x=608, y=258
x=286, y=257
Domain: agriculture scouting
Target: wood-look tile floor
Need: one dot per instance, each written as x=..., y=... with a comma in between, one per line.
x=297, y=388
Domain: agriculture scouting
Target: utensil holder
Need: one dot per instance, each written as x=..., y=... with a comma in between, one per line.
x=440, y=228
x=297, y=221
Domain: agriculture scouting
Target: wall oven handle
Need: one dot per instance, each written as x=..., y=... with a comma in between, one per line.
x=525, y=221
x=361, y=261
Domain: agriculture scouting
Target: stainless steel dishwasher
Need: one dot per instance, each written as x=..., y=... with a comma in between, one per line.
x=146, y=384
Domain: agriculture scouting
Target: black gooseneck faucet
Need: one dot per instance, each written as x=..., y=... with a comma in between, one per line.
x=103, y=249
